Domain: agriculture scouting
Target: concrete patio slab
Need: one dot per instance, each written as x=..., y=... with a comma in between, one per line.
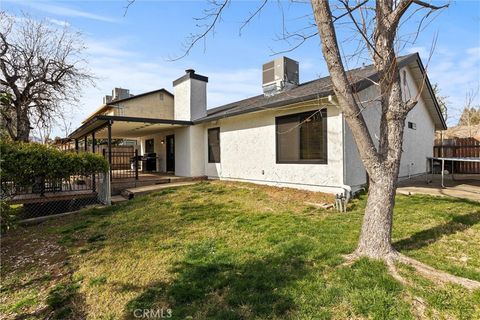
x=133, y=192
x=460, y=186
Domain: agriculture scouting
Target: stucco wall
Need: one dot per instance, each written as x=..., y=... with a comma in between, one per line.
x=159, y=148
x=157, y=105
x=182, y=101
x=248, y=153
x=189, y=151
x=417, y=145
x=190, y=100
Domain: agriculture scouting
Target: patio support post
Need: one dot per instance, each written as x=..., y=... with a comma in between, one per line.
x=85, y=147
x=94, y=183
x=109, y=127
x=76, y=145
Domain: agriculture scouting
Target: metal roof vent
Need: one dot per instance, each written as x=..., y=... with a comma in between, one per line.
x=279, y=75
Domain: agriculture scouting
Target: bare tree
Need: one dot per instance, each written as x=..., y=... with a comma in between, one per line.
x=66, y=125
x=442, y=101
x=41, y=69
x=470, y=115
x=43, y=132
x=375, y=28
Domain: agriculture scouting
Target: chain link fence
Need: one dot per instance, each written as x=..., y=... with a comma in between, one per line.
x=44, y=197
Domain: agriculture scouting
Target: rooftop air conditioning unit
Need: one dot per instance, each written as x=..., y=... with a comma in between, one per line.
x=279, y=75
x=107, y=99
x=120, y=93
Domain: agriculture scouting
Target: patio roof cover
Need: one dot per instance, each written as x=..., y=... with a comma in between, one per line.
x=125, y=127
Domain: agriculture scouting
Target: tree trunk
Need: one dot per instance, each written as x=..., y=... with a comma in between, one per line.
x=376, y=235
x=23, y=127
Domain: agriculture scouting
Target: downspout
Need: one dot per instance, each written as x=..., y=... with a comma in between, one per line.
x=347, y=189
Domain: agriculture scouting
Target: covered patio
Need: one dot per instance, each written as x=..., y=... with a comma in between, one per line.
x=148, y=150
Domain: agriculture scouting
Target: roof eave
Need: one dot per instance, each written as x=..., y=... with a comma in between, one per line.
x=432, y=94
x=100, y=121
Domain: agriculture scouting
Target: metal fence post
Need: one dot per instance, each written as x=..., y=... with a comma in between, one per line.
x=136, y=164
x=109, y=127
x=94, y=184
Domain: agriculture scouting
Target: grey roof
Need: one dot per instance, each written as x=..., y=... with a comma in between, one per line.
x=140, y=95
x=361, y=78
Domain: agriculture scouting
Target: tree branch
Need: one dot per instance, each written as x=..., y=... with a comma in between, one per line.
x=396, y=15
x=195, y=38
x=252, y=15
x=364, y=36
x=342, y=87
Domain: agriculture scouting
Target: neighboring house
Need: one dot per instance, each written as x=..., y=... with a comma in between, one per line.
x=293, y=135
x=153, y=104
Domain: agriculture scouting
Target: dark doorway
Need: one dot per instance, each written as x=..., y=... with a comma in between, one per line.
x=170, y=153
x=149, y=146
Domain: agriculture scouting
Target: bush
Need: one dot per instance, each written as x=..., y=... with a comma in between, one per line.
x=23, y=163
x=8, y=216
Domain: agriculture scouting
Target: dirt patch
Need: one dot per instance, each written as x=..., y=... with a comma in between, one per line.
x=24, y=248
x=284, y=194
x=33, y=261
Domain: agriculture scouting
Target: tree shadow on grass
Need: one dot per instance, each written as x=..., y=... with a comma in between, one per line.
x=426, y=237
x=214, y=285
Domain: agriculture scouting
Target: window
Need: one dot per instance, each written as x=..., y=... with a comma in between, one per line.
x=149, y=146
x=412, y=125
x=302, y=137
x=214, y=145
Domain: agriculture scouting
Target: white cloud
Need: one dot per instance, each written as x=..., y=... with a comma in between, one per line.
x=61, y=23
x=421, y=50
x=115, y=66
x=64, y=11
x=109, y=49
x=456, y=72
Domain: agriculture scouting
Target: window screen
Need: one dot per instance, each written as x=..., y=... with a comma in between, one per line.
x=214, y=145
x=302, y=137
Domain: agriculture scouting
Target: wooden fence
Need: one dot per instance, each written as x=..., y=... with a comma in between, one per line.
x=459, y=148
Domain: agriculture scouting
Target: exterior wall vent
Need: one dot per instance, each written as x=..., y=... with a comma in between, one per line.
x=279, y=75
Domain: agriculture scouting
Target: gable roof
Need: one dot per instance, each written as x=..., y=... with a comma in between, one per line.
x=111, y=104
x=141, y=95
x=361, y=78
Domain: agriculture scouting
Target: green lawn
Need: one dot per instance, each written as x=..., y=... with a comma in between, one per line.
x=237, y=251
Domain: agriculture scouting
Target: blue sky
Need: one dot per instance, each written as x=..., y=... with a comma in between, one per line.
x=134, y=51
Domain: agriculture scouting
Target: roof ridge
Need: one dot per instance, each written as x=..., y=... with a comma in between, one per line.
x=235, y=103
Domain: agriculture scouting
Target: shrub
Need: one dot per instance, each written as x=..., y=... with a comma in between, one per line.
x=23, y=163
x=8, y=217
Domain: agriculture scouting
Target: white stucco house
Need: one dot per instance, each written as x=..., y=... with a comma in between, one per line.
x=292, y=135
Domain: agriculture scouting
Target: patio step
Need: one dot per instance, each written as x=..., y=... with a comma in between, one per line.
x=133, y=192
x=118, y=199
